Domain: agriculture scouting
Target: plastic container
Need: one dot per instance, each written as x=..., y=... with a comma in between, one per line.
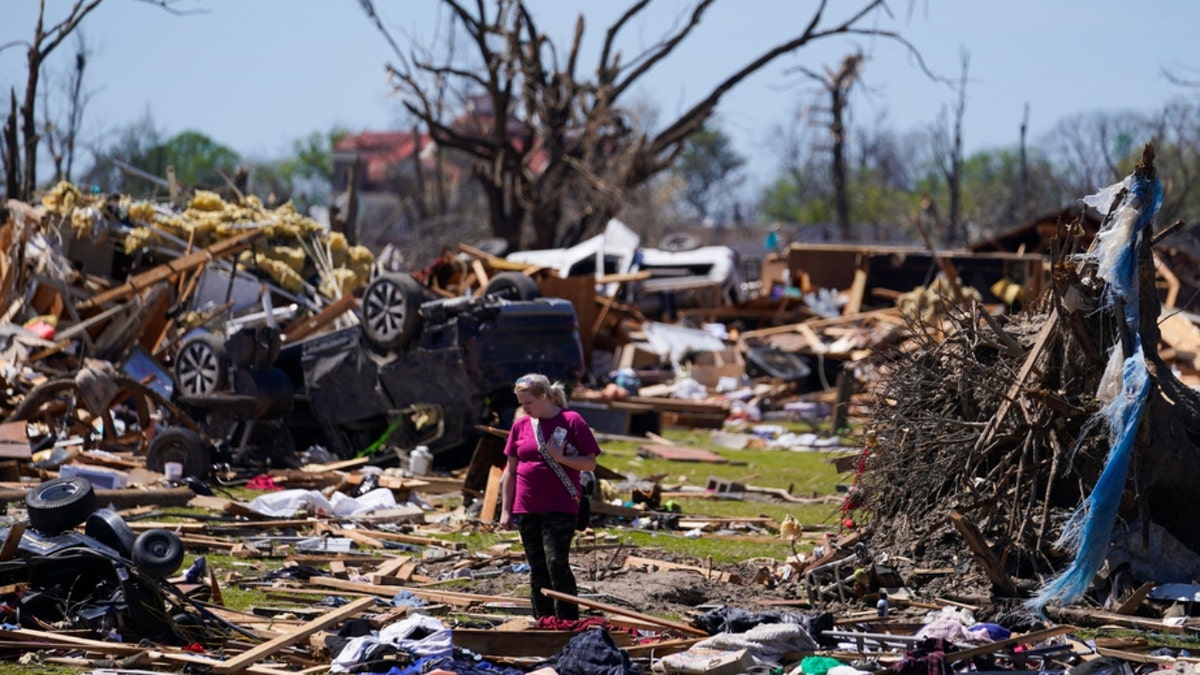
x=420, y=461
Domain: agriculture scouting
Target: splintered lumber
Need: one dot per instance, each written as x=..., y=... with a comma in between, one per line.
x=991, y=648
x=539, y=643
x=447, y=597
x=621, y=611
x=983, y=554
x=305, y=327
x=221, y=249
x=635, y=561
x=678, y=454
x=266, y=649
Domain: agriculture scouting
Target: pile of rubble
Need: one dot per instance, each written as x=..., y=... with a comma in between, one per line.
x=155, y=357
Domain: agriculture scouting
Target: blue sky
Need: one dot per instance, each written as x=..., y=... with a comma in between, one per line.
x=257, y=74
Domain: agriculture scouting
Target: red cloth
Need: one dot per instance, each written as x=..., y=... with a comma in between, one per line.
x=263, y=482
x=539, y=489
x=574, y=625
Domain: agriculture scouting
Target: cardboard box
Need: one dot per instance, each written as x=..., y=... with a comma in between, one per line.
x=709, y=367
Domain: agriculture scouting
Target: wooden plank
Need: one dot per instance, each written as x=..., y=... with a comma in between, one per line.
x=621, y=611
x=680, y=454
x=983, y=554
x=14, y=441
x=447, y=597
x=301, y=329
x=1028, y=638
x=163, y=272
x=635, y=561
x=491, y=496
x=1134, y=601
x=543, y=643
x=266, y=649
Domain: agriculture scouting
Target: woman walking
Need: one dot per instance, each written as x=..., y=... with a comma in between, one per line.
x=546, y=450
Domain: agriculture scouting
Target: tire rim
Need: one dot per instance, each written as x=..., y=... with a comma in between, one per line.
x=198, y=369
x=383, y=308
x=59, y=491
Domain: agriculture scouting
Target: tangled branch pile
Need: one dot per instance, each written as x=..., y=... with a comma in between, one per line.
x=995, y=418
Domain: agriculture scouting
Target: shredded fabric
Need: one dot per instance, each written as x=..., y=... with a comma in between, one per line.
x=1133, y=204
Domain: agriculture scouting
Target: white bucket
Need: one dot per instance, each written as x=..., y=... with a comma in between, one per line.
x=173, y=470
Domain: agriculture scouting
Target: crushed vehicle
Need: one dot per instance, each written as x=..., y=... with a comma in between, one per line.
x=106, y=579
x=414, y=370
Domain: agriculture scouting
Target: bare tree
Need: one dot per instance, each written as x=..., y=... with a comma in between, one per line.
x=63, y=134
x=837, y=85
x=949, y=155
x=555, y=147
x=45, y=41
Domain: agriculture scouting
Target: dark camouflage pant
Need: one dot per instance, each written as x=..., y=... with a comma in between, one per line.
x=547, y=541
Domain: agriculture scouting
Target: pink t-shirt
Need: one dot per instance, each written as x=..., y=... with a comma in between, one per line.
x=539, y=489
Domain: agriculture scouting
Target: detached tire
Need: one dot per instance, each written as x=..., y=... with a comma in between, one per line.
x=109, y=528
x=182, y=445
x=158, y=553
x=512, y=286
x=60, y=504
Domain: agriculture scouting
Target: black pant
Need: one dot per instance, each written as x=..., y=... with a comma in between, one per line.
x=547, y=541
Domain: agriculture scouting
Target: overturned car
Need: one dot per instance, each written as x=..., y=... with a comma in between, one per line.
x=415, y=369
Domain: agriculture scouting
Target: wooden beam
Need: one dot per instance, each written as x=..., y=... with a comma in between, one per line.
x=491, y=495
x=266, y=649
x=621, y=611
x=164, y=272
x=983, y=554
x=305, y=327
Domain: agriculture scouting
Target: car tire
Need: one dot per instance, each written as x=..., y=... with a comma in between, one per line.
x=182, y=445
x=109, y=528
x=390, y=310
x=158, y=553
x=202, y=366
x=512, y=286
x=60, y=504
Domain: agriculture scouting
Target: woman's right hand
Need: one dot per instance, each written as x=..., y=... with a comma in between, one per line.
x=506, y=521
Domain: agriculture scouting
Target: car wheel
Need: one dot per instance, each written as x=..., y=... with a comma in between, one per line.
x=60, y=504
x=158, y=553
x=202, y=366
x=512, y=286
x=109, y=528
x=181, y=445
x=390, y=310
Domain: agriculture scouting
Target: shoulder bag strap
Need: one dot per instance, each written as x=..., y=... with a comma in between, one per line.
x=558, y=470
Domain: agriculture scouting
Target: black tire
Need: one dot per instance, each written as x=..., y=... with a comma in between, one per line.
x=109, y=528
x=177, y=444
x=512, y=286
x=202, y=366
x=60, y=504
x=679, y=241
x=158, y=553
x=390, y=310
